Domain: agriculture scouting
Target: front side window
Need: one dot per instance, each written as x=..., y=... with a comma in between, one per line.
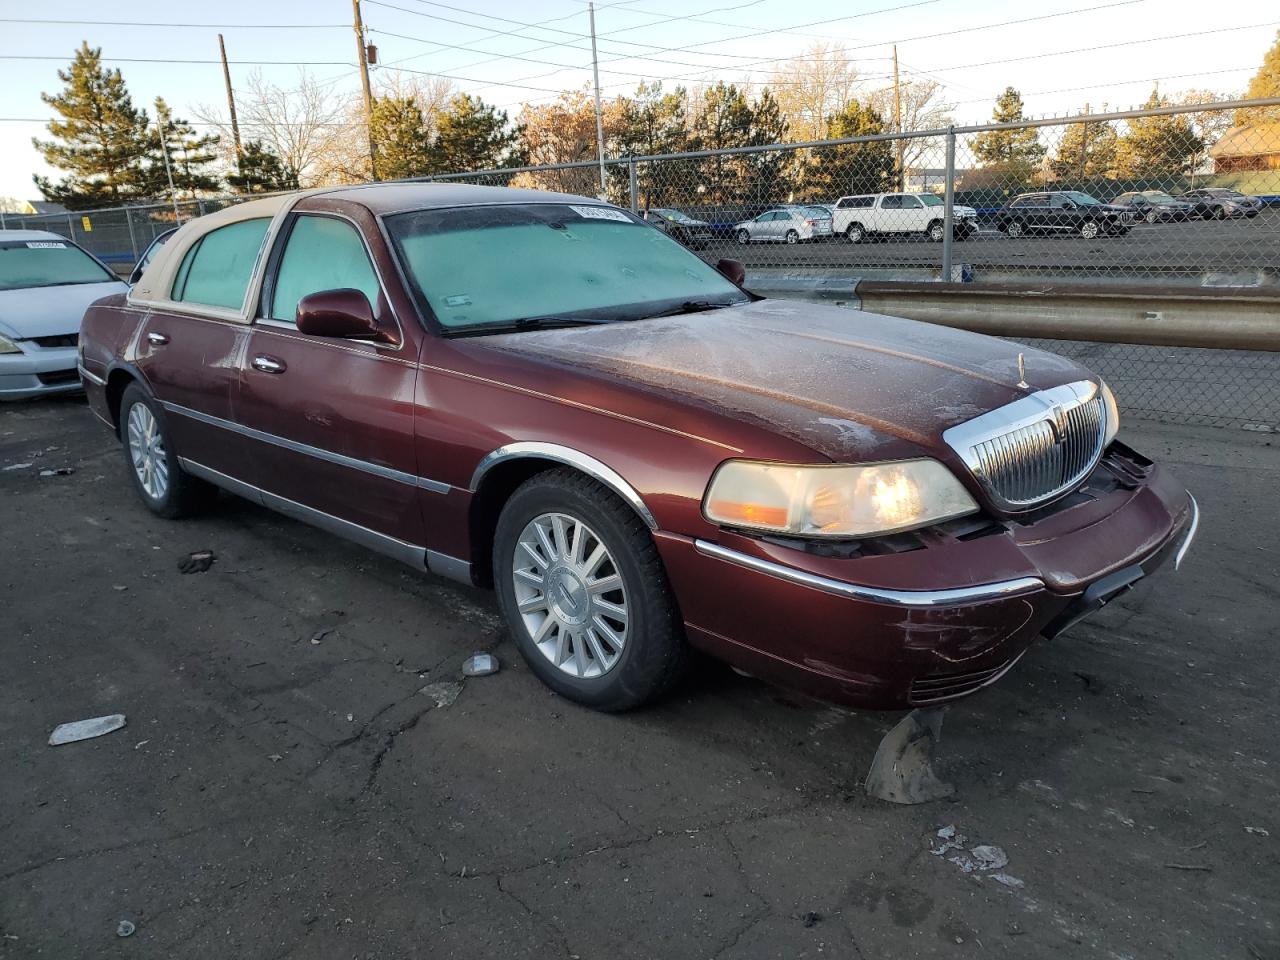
x=216, y=271
x=931, y=200
x=910, y=203
x=322, y=253
x=485, y=268
x=47, y=263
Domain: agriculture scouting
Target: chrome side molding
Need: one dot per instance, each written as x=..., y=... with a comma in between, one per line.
x=899, y=598
x=574, y=458
x=1190, y=534
x=411, y=554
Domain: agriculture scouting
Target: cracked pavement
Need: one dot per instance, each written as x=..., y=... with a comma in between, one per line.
x=242, y=814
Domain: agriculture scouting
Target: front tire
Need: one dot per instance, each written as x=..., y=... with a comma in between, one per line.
x=1151, y=216
x=855, y=233
x=1014, y=229
x=584, y=593
x=1089, y=230
x=935, y=231
x=166, y=489
x=742, y=237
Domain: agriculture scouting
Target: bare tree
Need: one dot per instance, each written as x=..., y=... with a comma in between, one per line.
x=813, y=88
x=309, y=127
x=922, y=109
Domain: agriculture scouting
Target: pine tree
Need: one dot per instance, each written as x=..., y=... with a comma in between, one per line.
x=400, y=132
x=1086, y=150
x=1265, y=83
x=1014, y=152
x=472, y=135
x=260, y=171
x=850, y=168
x=1158, y=147
x=100, y=141
x=724, y=120
x=189, y=156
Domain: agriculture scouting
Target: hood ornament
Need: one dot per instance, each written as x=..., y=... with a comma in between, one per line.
x=1022, y=375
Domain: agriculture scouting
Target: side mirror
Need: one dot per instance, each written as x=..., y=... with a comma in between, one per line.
x=733, y=271
x=344, y=313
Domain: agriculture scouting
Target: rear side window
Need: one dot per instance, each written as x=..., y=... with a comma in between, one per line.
x=891, y=202
x=322, y=253
x=216, y=271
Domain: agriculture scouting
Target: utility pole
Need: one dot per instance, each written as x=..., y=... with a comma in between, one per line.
x=595, y=73
x=231, y=99
x=162, y=121
x=897, y=116
x=364, y=83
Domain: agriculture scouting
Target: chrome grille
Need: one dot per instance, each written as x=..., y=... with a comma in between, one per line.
x=1036, y=448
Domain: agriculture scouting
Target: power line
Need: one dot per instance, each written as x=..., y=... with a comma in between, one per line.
x=238, y=63
x=202, y=26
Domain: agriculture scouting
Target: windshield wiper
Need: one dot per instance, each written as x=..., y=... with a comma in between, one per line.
x=694, y=306
x=530, y=323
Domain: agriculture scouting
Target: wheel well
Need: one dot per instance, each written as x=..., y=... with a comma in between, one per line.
x=495, y=489
x=117, y=383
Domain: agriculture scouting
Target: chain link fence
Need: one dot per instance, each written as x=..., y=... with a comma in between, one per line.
x=1183, y=196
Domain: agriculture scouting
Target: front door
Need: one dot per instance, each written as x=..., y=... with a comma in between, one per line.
x=189, y=353
x=331, y=420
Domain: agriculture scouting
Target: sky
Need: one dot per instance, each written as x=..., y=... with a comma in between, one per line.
x=1095, y=51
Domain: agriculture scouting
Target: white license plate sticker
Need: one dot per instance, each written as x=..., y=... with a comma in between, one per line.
x=45, y=245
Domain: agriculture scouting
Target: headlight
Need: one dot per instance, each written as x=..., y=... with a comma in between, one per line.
x=834, y=501
x=8, y=346
x=1113, y=414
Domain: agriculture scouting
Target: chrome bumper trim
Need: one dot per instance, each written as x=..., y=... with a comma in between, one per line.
x=901, y=598
x=91, y=377
x=1190, y=535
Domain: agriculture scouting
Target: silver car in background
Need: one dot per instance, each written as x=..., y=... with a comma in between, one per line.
x=46, y=282
x=790, y=224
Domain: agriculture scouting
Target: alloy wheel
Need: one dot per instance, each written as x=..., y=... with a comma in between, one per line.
x=1089, y=229
x=570, y=595
x=793, y=237
x=742, y=236
x=146, y=451
x=1014, y=229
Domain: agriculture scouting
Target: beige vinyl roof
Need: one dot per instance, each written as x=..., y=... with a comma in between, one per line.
x=156, y=283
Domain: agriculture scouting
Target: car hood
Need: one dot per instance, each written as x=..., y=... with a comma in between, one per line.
x=50, y=311
x=845, y=383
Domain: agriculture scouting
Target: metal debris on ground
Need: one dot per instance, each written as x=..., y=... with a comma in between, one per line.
x=982, y=858
x=58, y=472
x=16, y=466
x=1258, y=831
x=902, y=769
x=197, y=562
x=480, y=665
x=85, y=729
x=125, y=929
x=443, y=693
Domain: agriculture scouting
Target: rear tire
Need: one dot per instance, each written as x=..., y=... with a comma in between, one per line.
x=166, y=489
x=792, y=237
x=611, y=649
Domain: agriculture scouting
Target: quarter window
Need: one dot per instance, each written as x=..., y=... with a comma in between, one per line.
x=322, y=253
x=216, y=271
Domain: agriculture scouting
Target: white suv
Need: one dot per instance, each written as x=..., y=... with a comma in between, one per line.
x=881, y=214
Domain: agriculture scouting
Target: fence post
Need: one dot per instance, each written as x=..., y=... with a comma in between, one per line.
x=634, y=183
x=948, y=204
x=133, y=239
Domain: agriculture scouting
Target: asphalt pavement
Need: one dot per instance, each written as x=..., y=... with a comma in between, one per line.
x=1196, y=251
x=306, y=774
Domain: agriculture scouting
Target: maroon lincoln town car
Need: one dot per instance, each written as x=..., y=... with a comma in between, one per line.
x=544, y=394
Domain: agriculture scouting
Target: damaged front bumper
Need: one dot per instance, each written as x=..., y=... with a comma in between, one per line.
x=808, y=622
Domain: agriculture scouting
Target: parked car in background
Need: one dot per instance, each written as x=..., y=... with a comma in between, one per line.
x=680, y=226
x=870, y=215
x=540, y=393
x=1064, y=211
x=149, y=254
x=46, y=283
x=785, y=225
x=1155, y=206
x=1219, y=203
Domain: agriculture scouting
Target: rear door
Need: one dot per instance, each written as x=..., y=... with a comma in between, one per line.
x=887, y=213
x=911, y=217
x=332, y=419
x=189, y=349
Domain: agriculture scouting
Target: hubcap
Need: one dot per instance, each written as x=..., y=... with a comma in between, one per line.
x=570, y=595
x=146, y=449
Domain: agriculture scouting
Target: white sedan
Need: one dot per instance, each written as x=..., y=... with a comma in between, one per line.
x=46, y=283
x=785, y=225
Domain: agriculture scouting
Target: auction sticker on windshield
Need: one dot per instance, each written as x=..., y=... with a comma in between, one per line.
x=45, y=245
x=601, y=213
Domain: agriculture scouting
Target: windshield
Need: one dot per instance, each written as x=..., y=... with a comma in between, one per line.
x=46, y=263
x=481, y=268
x=930, y=200
x=1083, y=199
x=677, y=215
x=1157, y=195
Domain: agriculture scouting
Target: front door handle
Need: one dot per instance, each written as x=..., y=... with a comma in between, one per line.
x=159, y=339
x=268, y=364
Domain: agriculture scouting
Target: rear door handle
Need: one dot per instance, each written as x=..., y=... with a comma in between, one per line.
x=159, y=339
x=268, y=364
